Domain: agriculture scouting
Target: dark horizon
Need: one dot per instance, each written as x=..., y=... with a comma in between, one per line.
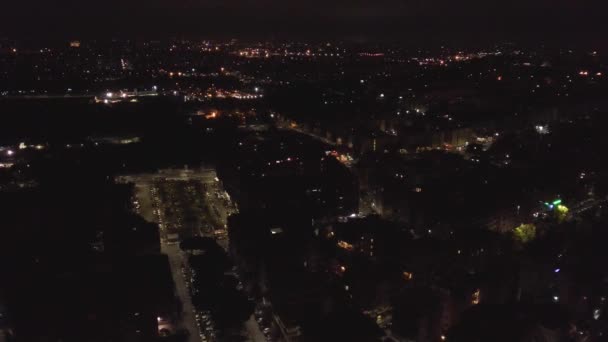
x=419, y=23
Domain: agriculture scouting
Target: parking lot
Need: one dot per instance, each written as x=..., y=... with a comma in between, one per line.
x=185, y=204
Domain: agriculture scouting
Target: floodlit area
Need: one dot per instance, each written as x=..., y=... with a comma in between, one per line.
x=185, y=204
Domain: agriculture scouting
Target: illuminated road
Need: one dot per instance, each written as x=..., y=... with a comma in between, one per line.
x=253, y=329
x=312, y=135
x=346, y=162
x=584, y=206
x=188, y=311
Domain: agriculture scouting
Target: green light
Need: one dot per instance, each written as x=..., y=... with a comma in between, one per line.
x=547, y=204
x=556, y=202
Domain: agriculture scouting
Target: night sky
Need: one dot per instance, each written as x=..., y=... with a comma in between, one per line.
x=391, y=19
